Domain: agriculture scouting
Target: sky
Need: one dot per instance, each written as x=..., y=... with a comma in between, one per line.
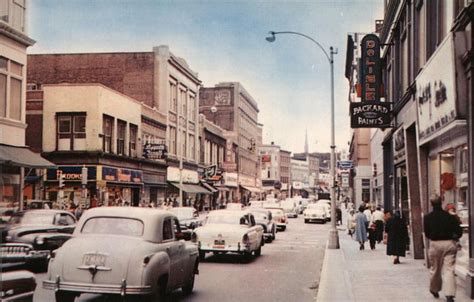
x=224, y=40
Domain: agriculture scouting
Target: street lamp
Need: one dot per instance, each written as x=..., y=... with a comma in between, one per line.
x=333, y=235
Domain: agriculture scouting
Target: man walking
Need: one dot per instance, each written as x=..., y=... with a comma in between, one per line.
x=443, y=230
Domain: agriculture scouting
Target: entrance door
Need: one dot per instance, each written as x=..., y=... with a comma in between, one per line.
x=135, y=197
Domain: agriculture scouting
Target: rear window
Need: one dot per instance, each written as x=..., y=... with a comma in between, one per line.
x=113, y=226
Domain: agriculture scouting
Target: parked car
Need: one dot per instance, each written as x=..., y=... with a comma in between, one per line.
x=33, y=204
x=31, y=235
x=229, y=231
x=327, y=204
x=264, y=218
x=234, y=206
x=124, y=251
x=316, y=212
x=279, y=217
x=255, y=204
x=188, y=217
x=290, y=208
x=17, y=286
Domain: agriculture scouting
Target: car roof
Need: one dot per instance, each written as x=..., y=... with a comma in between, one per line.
x=41, y=211
x=229, y=212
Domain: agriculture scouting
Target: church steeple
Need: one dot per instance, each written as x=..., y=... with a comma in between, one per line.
x=306, y=142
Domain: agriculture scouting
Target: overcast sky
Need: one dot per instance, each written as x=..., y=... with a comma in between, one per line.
x=224, y=40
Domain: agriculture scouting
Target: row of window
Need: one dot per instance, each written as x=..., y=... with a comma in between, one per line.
x=13, y=13
x=213, y=153
x=184, y=141
x=182, y=101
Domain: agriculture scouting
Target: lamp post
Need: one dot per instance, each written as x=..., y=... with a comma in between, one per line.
x=333, y=242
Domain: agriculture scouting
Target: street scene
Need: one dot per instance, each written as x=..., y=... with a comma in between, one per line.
x=236, y=150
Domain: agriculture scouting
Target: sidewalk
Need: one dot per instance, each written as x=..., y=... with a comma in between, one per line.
x=349, y=274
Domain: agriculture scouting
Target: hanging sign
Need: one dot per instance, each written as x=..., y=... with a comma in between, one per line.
x=370, y=114
x=371, y=80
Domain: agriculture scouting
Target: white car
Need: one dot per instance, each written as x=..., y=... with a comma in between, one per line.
x=327, y=204
x=125, y=251
x=316, y=212
x=228, y=231
x=290, y=208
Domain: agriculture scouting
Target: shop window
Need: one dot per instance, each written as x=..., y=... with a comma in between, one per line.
x=107, y=128
x=3, y=94
x=121, y=127
x=133, y=140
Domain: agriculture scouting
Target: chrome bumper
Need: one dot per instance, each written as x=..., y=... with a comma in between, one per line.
x=120, y=289
x=20, y=252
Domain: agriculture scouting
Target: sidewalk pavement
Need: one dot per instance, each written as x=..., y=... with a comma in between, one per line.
x=349, y=274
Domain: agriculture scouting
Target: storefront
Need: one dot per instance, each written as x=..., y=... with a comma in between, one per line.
x=228, y=192
x=122, y=186
x=248, y=189
x=186, y=181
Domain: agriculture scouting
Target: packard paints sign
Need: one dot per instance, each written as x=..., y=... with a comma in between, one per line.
x=435, y=91
x=370, y=114
x=370, y=69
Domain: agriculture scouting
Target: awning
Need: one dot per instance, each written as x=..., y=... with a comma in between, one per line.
x=22, y=157
x=190, y=188
x=252, y=189
x=209, y=187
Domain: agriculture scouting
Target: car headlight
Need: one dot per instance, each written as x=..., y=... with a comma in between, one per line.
x=39, y=240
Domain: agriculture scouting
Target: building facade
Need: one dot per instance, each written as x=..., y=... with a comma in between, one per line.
x=232, y=108
x=300, y=177
x=270, y=169
x=17, y=162
x=285, y=172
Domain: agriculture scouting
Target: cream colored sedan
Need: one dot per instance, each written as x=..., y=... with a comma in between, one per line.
x=229, y=231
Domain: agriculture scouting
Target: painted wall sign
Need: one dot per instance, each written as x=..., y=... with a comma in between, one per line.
x=436, y=92
x=370, y=114
x=371, y=80
x=72, y=173
x=155, y=151
x=399, y=145
x=231, y=179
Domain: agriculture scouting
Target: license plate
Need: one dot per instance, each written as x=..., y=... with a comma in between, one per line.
x=94, y=260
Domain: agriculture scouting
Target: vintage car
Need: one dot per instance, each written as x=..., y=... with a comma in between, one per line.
x=229, y=231
x=316, y=212
x=290, y=208
x=17, y=286
x=327, y=204
x=303, y=204
x=264, y=218
x=188, y=217
x=31, y=235
x=279, y=217
x=124, y=251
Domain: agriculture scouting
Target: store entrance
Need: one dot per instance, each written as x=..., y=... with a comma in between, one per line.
x=135, y=197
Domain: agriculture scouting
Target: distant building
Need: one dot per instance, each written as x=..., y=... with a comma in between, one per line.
x=300, y=177
x=285, y=172
x=270, y=172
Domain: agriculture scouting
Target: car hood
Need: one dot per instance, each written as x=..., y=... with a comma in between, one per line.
x=16, y=232
x=316, y=212
x=73, y=258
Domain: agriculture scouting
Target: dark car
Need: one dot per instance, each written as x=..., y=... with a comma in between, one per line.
x=31, y=235
x=17, y=286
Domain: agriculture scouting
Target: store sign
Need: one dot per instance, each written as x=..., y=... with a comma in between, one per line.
x=122, y=175
x=155, y=151
x=71, y=173
x=246, y=181
x=371, y=80
x=345, y=164
x=266, y=158
x=229, y=166
x=436, y=91
x=210, y=171
x=231, y=179
x=370, y=114
x=345, y=180
x=187, y=176
x=297, y=185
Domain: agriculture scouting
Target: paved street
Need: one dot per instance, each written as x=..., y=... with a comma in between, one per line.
x=287, y=270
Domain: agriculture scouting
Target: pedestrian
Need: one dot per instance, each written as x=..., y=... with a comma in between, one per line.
x=338, y=216
x=378, y=220
x=397, y=236
x=372, y=231
x=443, y=230
x=368, y=212
x=361, y=227
x=78, y=211
x=351, y=223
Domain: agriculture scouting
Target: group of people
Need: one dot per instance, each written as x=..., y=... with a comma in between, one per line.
x=441, y=227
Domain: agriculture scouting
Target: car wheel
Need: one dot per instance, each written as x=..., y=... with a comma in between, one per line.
x=274, y=233
x=202, y=255
x=258, y=251
x=306, y=221
x=160, y=292
x=188, y=288
x=62, y=296
x=248, y=256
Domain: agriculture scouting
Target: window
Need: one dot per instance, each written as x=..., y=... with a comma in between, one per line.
x=176, y=226
x=183, y=143
x=173, y=97
x=183, y=98
x=133, y=140
x=167, y=229
x=191, y=147
x=18, y=15
x=10, y=89
x=71, y=131
x=4, y=10
x=192, y=108
x=172, y=140
x=121, y=127
x=107, y=128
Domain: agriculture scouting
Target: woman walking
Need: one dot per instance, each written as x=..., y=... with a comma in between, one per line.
x=397, y=236
x=361, y=227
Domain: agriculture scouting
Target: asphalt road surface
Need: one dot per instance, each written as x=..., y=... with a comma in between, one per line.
x=288, y=270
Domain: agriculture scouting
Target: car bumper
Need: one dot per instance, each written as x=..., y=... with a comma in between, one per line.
x=232, y=248
x=21, y=253
x=315, y=218
x=292, y=215
x=120, y=289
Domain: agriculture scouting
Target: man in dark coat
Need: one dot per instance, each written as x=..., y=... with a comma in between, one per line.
x=397, y=236
x=443, y=230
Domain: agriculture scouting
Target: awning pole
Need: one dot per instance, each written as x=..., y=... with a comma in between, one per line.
x=22, y=186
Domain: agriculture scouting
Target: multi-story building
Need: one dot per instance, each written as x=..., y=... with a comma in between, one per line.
x=231, y=107
x=427, y=74
x=15, y=157
x=359, y=153
x=270, y=168
x=300, y=177
x=160, y=80
x=376, y=159
x=285, y=172
x=313, y=165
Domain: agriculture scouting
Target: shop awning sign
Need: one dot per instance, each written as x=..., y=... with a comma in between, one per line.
x=371, y=114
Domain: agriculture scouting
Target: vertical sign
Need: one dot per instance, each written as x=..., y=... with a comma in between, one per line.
x=371, y=69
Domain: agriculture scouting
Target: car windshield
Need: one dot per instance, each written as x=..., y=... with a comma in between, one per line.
x=113, y=226
x=33, y=218
x=277, y=212
x=183, y=213
x=224, y=219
